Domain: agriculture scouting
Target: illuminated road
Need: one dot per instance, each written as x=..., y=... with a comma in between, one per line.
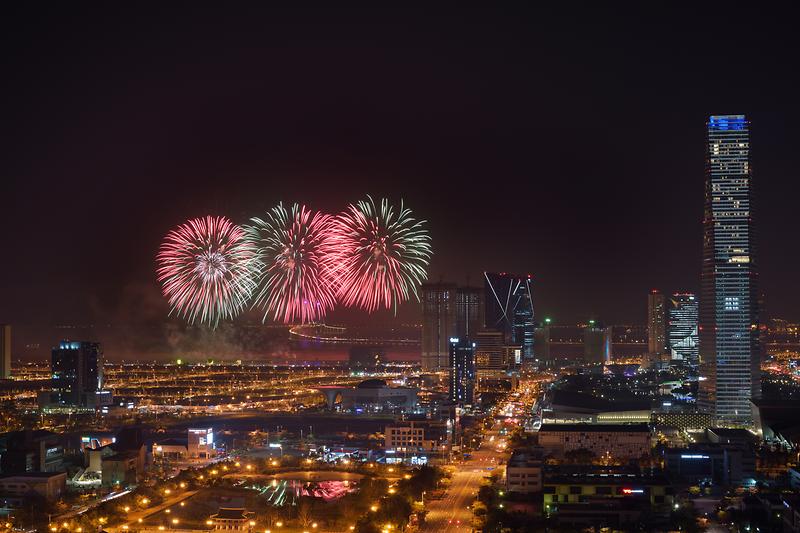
x=132, y=520
x=452, y=513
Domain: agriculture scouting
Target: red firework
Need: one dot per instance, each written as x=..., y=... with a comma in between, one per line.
x=204, y=268
x=295, y=270
x=382, y=254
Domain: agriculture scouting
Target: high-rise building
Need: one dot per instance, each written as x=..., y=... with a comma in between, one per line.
x=728, y=331
x=77, y=375
x=541, y=344
x=490, y=350
x=509, y=308
x=597, y=342
x=469, y=311
x=462, y=371
x=682, y=328
x=5, y=351
x=438, y=324
x=656, y=328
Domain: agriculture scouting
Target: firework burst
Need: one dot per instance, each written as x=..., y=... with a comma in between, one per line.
x=295, y=270
x=204, y=269
x=382, y=254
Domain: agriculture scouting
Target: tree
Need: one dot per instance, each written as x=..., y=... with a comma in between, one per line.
x=305, y=509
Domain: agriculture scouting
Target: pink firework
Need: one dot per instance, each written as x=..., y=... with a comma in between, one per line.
x=295, y=270
x=382, y=255
x=204, y=268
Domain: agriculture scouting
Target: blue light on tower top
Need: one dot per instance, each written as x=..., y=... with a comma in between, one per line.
x=727, y=122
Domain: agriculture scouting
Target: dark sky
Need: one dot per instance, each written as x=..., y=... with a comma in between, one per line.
x=567, y=145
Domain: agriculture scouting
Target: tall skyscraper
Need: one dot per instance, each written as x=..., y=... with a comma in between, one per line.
x=682, y=328
x=77, y=373
x=509, y=308
x=438, y=324
x=5, y=351
x=597, y=343
x=729, y=354
x=656, y=328
x=462, y=371
x=469, y=311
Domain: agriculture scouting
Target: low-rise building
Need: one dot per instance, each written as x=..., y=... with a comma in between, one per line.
x=232, y=519
x=711, y=463
x=200, y=443
x=371, y=396
x=416, y=441
x=173, y=449
x=620, y=441
x=524, y=471
x=48, y=485
x=31, y=451
x=120, y=469
x=592, y=485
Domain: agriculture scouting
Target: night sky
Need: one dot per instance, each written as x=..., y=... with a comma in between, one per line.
x=565, y=145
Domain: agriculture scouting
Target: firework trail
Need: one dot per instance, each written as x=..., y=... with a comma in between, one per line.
x=295, y=269
x=382, y=254
x=204, y=269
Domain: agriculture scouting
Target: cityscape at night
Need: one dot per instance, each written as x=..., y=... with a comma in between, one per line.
x=396, y=270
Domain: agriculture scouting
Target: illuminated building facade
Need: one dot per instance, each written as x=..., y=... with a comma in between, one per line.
x=509, y=308
x=656, y=328
x=462, y=371
x=682, y=332
x=469, y=311
x=728, y=331
x=77, y=376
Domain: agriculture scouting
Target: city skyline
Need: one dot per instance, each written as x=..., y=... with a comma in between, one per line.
x=592, y=208
x=506, y=269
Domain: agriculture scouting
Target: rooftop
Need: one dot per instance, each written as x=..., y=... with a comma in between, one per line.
x=231, y=513
x=597, y=428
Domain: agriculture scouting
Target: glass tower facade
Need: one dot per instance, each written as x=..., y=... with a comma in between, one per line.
x=438, y=324
x=509, y=308
x=77, y=372
x=682, y=328
x=656, y=328
x=728, y=331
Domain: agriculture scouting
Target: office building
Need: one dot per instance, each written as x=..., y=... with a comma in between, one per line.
x=5, y=351
x=18, y=488
x=416, y=442
x=524, y=471
x=509, y=308
x=541, y=341
x=490, y=351
x=77, y=377
x=682, y=333
x=597, y=343
x=620, y=441
x=728, y=330
x=711, y=463
x=469, y=311
x=462, y=371
x=200, y=443
x=612, y=497
x=438, y=324
x=656, y=329
x=31, y=451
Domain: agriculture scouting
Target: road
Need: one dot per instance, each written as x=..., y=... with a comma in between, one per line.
x=132, y=520
x=452, y=514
